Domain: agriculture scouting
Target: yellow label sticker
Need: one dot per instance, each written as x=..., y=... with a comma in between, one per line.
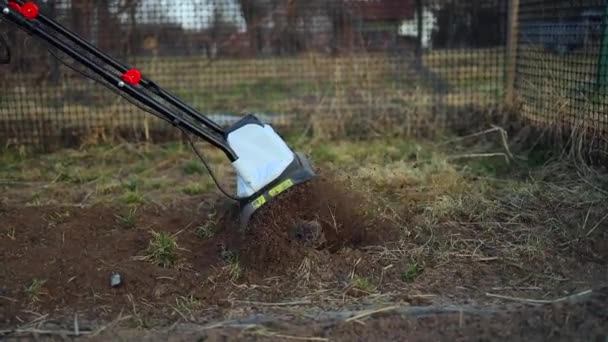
x=258, y=202
x=281, y=187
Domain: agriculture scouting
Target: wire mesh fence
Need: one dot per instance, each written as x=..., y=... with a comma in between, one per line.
x=332, y=66
x=562, y=68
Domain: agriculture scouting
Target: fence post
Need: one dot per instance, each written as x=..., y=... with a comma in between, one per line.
x=602, y=63
x=419, y=28
x=511, y=53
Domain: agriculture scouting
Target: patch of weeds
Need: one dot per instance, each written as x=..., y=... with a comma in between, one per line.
x=128, y=220
x=132, y=184
x=110, y=187
x=412, y=272
x=141, y=167
x=530, y=247
x=133, y=197
x=489, y=167
x=171, y=148
x=383, y=151
x=209, y=228
x=162, y=250
x=323, y=153
x=186, y=305
x=234, y=269
x=35, y=200
x=156, y=184
x=66, y=174
x=206, y=231
x=363, y=284
x=193, y=167
x=194, y=189
x=445, y=207
x=137, y=321
x=34, y=290
x=412, y=151
x=11, y=157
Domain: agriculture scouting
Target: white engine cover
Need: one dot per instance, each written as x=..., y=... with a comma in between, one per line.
x=262, y=157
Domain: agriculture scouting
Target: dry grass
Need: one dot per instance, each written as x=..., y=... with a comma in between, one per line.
x=553, y=92
x=336, y=95
x=35, y=290
x=162, y=250
x=458, y=216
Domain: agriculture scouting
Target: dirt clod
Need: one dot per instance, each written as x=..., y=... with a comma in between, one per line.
x=310, y=233
x=322, y=214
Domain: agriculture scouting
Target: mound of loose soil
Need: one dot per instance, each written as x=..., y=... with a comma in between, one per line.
x=323, y=214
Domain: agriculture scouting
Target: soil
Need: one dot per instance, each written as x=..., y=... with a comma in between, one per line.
x=319, y=215
x=312, y=243
x=75, y=251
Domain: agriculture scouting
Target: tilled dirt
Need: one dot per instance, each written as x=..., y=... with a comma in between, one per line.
x=74, y=251
x=312, y=243
x=318, y=215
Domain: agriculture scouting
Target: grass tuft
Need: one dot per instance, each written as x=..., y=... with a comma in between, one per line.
x=186, y=305
x=162, y=250
x=133, y=197
x=132, y=184
x=208, y=229
x=34, y=290
x=108, y=187
x=193, y=167
x=363, y=284
x=234, y=269
x=412, y=272
x=194, y=189
x=128, y=220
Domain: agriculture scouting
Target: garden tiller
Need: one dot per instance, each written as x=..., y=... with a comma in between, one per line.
x=264, y=165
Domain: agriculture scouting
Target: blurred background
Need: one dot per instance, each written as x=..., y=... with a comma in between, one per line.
x=326, y=67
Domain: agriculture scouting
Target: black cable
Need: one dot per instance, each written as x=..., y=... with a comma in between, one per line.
x=151, y=111
x=217, y=184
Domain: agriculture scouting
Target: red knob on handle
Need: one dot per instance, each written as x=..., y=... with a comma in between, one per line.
x=30, y=10
x=132, y=77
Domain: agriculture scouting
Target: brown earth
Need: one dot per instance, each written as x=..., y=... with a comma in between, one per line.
x=310, y=245
x=75, y=251
x=583, y=320
x=318, y=215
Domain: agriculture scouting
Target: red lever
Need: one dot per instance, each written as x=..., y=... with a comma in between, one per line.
x=30, y=10
x=132, y=77
x=14, y=6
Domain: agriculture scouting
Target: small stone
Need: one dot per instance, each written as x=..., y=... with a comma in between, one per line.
x=115, y=279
